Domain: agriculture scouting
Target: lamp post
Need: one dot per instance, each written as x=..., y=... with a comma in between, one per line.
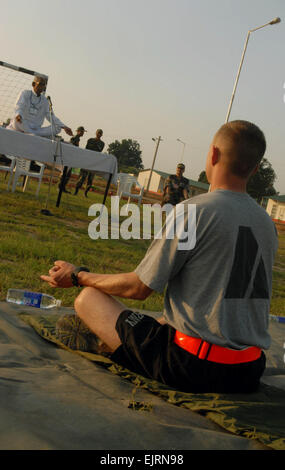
x=184, y=143
x=153, y=162
x=275, y=21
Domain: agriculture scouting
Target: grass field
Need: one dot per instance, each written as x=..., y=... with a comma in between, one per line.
x=30, y=242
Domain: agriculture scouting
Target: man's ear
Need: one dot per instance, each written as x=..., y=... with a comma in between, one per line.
x=215, y=155
x=255, y=170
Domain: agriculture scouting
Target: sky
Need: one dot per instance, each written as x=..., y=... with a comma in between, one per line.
x=165, y=68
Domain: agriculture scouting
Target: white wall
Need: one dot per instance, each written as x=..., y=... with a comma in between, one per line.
x=154, y=183
x=281, y=212
x=276, y=210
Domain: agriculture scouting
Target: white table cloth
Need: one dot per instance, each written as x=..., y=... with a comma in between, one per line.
x=43, y=150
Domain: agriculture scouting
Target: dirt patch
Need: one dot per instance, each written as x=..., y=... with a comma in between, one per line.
x=7, y=261
x=76, y=223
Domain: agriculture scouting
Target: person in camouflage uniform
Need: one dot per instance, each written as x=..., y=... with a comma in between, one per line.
x=97, y=145
x=74, y=141
x=176, y=187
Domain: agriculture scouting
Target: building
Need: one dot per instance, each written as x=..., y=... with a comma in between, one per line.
x=158, y=179
x=275, y=207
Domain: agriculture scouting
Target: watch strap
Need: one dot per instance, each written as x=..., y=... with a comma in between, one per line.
x=74, y=275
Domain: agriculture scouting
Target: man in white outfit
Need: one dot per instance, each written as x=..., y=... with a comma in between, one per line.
x=32, y=108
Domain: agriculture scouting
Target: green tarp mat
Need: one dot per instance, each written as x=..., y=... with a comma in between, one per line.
x=259, y=416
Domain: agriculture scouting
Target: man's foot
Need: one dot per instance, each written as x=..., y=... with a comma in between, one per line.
x=75, y=192
x=65, y=191
x=72, y=331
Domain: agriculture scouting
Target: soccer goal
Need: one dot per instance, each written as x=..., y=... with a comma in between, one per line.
x=13, y=80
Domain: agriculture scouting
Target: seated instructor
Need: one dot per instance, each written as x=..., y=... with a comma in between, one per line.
x=32, y=108
x=215, y=320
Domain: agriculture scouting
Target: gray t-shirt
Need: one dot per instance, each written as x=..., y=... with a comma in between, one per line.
x=220, y=290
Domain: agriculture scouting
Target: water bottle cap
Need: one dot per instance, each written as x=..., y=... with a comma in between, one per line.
x=58, y=303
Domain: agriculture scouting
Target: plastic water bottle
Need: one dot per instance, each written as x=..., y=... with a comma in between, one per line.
x=32, y=299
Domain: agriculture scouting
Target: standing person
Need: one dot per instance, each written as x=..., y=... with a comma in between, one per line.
x=215, y=320
x=75, y=140
x=67, y=171
x=32, y=108
x=96, y=144
x=176, y=187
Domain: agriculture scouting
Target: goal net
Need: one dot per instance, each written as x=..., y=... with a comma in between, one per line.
x=13, y=80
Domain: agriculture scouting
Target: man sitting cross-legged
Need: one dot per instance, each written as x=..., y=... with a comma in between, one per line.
x=32, y=108
x=215, y=320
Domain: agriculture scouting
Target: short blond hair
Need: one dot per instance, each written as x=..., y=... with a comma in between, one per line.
x=245, y=146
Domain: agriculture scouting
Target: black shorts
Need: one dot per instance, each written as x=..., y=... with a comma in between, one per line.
x=148, y=349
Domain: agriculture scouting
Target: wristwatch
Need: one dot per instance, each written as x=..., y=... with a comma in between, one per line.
x=74, y=274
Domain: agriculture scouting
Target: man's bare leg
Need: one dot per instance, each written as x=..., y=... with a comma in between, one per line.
x=100, y=312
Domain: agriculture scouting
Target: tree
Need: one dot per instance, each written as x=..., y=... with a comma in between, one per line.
x=128, y=154
x=203, y=177
x=261, y=183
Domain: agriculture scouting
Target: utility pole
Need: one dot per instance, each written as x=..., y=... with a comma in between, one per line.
x=184, y=144
x=155, y=153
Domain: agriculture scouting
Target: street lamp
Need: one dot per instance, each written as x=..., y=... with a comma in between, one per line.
x=184, y=143
x=154, y=157
x=275, y=21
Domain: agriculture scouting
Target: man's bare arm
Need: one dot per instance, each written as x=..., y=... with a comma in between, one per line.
x=126, y=285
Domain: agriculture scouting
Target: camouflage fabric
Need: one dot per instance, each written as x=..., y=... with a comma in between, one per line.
x=92, y=144
x=75, y=140
x=82, y=177
x=175, y=187
x=73, y=332
x=95, y=144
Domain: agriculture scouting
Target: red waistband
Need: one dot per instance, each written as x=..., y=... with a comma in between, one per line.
x=214, y=353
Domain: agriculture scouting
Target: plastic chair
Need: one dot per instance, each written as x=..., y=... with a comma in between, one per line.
x=125, y=184
x=23, y=169
x=9, y=169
